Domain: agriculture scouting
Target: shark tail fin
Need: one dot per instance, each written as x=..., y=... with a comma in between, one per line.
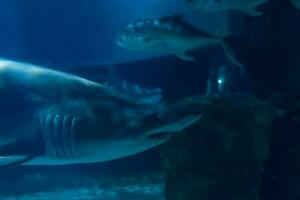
x=13, y=161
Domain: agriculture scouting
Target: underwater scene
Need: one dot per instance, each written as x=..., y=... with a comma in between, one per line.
x=150, y=100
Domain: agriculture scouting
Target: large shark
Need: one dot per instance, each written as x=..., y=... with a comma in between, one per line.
x=53, y=118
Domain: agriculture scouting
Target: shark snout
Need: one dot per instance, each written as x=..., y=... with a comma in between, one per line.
x=188, y=119
x=185, y=118
x=172, y=122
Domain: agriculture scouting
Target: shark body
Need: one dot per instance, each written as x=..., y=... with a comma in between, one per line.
x=53, y=118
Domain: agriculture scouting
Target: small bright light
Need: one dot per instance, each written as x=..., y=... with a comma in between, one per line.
x=220, y=81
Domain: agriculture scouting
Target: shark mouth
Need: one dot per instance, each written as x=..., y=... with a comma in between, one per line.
x=165, y=132
x=159, y=136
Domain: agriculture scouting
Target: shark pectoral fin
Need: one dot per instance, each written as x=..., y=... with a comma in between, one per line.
x=184, y=56
x=13, y=161
x=252, y=12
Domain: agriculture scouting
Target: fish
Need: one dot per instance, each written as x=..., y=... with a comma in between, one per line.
x=170, y=34
x=296, y=3
x=248, y=7
x=50, y=117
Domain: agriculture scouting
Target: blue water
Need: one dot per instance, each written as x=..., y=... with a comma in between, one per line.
x=64, y=33
x=78, y=37
x=132, y=178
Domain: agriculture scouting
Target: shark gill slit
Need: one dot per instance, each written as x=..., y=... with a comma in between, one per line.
x=57, y=136
x=57, y=132
x=46, y=133
x=68, y=134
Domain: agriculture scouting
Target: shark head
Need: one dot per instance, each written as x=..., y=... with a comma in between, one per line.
x=132, y=132
x=157, y=127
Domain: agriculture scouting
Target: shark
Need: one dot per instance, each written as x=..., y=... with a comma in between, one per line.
x=54, y=118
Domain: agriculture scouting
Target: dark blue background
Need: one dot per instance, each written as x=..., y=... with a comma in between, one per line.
x=80, y=34
x=64, y=33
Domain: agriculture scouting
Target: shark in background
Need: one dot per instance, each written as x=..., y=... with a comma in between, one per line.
x=53, y=118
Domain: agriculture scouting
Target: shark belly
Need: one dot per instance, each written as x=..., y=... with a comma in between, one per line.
x=44, y=160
